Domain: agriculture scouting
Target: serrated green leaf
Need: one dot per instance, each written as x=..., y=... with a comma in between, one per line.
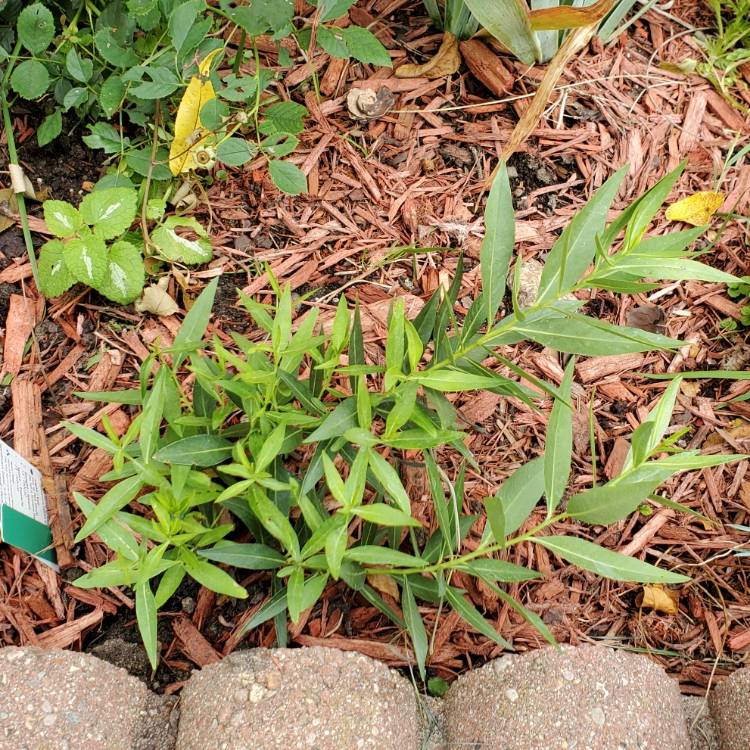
x=365, y=46
x=106, y=137
x=332, y=41
x=50, y=128
x=86, y=258
x=179, y=249
x=30, y=79
x=125, y=275
x=111, y=95
x=235, y=151
x=81, y=69
x=36, y=28
x=283, y=117
x=62, y=219
x=54, y=277
x=110, y=211
x=287, y=177
x=590, y=556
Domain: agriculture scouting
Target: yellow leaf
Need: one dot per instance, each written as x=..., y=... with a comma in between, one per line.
x=188, y=130
x=696, y=209
x=447, y=61
x=659, y=599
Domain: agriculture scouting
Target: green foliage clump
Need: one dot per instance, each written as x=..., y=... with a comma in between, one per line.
x=123, y=65
x=81, y=251
x=297, y=438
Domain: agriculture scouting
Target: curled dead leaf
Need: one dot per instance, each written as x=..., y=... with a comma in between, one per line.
x=447, y=61
x=8, y=208
x=697, y=209
x=660, y=599
x=156, y=300
x=368, y=104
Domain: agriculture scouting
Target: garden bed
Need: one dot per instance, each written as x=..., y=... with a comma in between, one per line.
x=381, y=192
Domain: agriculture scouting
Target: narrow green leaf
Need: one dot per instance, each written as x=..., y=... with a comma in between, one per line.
x=520, y=493
x=274, y=606
x=414, y=626
x=369, y=554
x=390, y=480
x=245, y=556
x=115, y=499
x=590, y=556
x=145, y=613
x=558, y=447
x=196, y=450
x=573, y=252
x=497, y=245
x=195, y=323
x=489, y=569
x=385, y=515
x=456, y=598
x=211, y=576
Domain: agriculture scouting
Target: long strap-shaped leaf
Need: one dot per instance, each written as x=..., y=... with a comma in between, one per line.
x=508, y=21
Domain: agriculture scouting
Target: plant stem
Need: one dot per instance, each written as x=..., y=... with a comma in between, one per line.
x=13, y=159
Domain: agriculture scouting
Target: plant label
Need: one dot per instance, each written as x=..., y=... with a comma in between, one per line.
x=23, y=507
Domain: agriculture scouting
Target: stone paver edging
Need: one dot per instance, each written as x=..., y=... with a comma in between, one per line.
x=584, y=698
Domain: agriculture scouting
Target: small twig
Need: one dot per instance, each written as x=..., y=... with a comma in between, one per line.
x=147, y=184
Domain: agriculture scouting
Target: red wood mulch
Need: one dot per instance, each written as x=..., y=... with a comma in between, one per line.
x=414, y=178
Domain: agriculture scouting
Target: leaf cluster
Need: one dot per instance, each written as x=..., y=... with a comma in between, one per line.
x=92, y=245
x=298, y=437
x=109, y=60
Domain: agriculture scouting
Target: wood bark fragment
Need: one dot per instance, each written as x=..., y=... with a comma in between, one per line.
x=487, y=67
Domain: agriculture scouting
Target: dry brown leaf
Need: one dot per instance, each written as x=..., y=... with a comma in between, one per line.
x=447, y=61
x=8, y=207
x=646, y=317
x=660, y=599
x=740, y=430
x=156, y=300
x=384, y=584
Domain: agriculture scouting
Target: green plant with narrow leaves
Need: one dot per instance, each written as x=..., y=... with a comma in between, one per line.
x=92, y=245
x=299, y=437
